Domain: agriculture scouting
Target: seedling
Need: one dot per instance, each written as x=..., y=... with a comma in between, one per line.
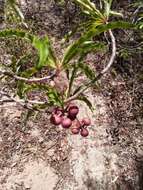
x=59, y=84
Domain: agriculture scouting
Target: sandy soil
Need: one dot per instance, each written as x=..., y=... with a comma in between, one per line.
x=40, y=157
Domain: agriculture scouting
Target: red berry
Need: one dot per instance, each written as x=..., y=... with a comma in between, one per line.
x=86, y=121
x=66, y=123
x=73, y=111
x=76, y=124
x=55, y=119
x=84, y=132
x=58, y=111
x=75, y=130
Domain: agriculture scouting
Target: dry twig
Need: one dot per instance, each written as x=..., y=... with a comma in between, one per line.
x=30, y=80
x=25, y=103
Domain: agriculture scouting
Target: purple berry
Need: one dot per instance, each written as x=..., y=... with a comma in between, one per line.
x=66, y=123
x=84, y=132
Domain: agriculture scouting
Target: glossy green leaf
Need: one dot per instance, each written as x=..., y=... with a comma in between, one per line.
x=77, y=28
x=53, y=96
x=46, y=56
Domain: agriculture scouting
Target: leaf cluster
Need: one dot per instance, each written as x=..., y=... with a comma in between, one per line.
x=73, y=59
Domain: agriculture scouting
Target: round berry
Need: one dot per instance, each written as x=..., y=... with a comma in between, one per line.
x=58, y=111
x=66, y=123
x=86, y=121
x=55, y=119
x=73, y=111
x=84, y=132
x=76, y=124
x=75, y=130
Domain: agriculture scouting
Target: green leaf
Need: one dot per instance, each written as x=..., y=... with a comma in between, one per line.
x=45, y=51
x=10, y=33
x=116, y=13
x=73, y=76
x=77, y=28
x=75, y=48
x=107, y=7
x=86, y=4
x=80, y=49
x=40, y=87
x=94, y=31
x=46, y=56
x=90, y=46
x=70, y=53
x=87, y=70
x=89, y=8
x=22, y=87
x=86, y=101
x=54, y=97
x=108, y=11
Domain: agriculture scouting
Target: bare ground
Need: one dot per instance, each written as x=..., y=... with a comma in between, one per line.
x=38, y=156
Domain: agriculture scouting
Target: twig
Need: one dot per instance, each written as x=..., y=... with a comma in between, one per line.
x=25, y=103
x=135, y=14
x=30, y=80
x=112, y=58
x=99, y=76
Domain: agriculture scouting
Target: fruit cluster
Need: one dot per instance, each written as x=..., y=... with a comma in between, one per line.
x=67, y=118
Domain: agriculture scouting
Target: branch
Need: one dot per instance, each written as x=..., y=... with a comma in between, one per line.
x=30, y=80
x=112, y=58
x=103, y=72
x=25, y=103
